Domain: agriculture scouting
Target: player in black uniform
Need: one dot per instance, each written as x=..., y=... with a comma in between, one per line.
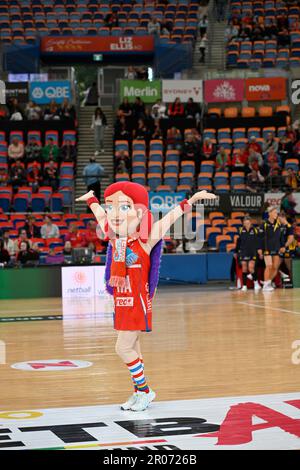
x=271, y=246
x=290, y=245
x=247, y=245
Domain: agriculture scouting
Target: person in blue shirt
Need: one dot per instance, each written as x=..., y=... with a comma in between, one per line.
x=92, y=173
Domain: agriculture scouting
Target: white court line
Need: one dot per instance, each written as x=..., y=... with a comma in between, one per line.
x=269, y=308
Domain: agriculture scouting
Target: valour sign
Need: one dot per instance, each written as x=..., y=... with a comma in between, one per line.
x=148, y=91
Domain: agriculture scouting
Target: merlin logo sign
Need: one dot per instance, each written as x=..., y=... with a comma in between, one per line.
x=252, y=422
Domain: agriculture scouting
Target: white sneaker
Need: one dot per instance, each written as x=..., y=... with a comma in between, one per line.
x=96, y=153
x=244, y=289
x=284, y=276
x=250, y=277
x=257, y=286
x=130, y=402
x=143, y=400
x=268, y=287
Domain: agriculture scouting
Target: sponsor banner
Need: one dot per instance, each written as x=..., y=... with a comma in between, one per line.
x=274, y=199
x=97, y=44
x=50, y=365
x=44, y=92
x=17, y=90
x=264, y=89
x=268, y=422
x=223, y=91
x=165, y=201
x=248, y=202
x=149, y=92
x=83, y=281
x=183, y=89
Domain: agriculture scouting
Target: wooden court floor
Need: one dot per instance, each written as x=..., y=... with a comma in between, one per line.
x=205, y=343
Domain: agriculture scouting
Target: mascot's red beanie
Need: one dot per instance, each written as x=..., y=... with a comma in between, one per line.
x=140, y=196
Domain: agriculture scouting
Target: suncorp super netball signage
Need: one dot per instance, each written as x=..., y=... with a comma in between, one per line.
x=83, y=281
x=148, y=91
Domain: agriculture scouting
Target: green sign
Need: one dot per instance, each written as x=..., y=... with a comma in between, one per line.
x=97, y=57
x=149, y=92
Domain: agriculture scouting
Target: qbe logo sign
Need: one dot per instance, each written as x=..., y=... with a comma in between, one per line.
x=44, y=92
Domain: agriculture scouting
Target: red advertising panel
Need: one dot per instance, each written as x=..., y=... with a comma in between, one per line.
x=263, y=89
x=223, y=91
x=90, y=44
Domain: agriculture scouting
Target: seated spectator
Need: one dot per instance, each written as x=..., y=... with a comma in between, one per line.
x=238, y=160
x=291, y=133
x=176, y=109
x=153, y=26
x=174, y=139
x=192, y=109
x=111, y=20
x=296, y=149
x=33, y=150
x=254, y=145
x=270, y=143
x=17, y=175
x=120, y=130
x=50, y=151
x=68, y=250
x=49, y=229
x=273, y=162
x=3, y=112
x=231, y=32
x=68, y=152
x=292, y=179
x=255, y=179
x=52, y=112
x=91, y=237
x=288, y=203
x=283, y=38
x=121, y=168
x=285, y=149
x=271, y=30
x=22, y=238
x=255, y=160
x=208, y=150
x=4, y=254
x=149, y=121
x=157, y=134
x=189, y=149
x=34, y=176
x=222, y=160
x=51, y=175
x=33, y=112
x=138, y=108
x=75, y=237
x=141, y=132
x=158, y=110
x=142, y=73
x=26, y=255
x=8, y=243
x=67, y=110
x=15, y=150
x=125, y=108
x=122, y=157
x=54, y=258
x=3, y=176
x=15, y=110
x=32, y=230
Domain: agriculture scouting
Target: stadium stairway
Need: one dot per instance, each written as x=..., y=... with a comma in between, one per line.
x=86, y=150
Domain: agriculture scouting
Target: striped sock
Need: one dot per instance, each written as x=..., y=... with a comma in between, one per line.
x=134, y=384
x=136, y=370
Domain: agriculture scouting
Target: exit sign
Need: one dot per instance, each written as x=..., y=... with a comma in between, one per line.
x=97, y=57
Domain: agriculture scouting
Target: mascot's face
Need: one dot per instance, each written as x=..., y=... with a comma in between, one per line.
x=123, y=216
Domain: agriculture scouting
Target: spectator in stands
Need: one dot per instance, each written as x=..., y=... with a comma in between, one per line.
x=3, y=176
x=142, y=73
x=75, y=237
x=285, y=149
x=176, y=109
x=52, y=112
x=255, y=160
x=274, y=165
x=202, y=48
x=51, y=175
x=296, y=149
x=222, y=160
x=254, y=145
x=15, y=109
x=34, y=176
x=238, y=161
x=22, y=238
x=91, y=235
x=32, y=230
x=255, y=180
x=208, y=150
x=157, y=134
x=8, y=243
x=189, y=149
x=122, y=156
x=33, y=112
x=67, y=110
x=99, y=123
x=33, y=150
x=67, y=249
x=4, y=254
x=231, y=32
x=125, y=108
x=92, y=173
x=120, y=130
x=27, y=255
x=68, y=152
x=141, y=132
x=138, y=108
x=271, y=30
x=3, y=112
x=174, y=139
x=292, y=179
x=121, y=168
x=50, y=151
x=92, y=95
x=288, y=204
x=192, y=110
x=153, y=26
x=54, y=258
x=111, y=20
x=159, y=110
x=130, y=73
x=291, y=133
x=17, y=175
x=15, y=150
x=270, y=143
x=202, y=25
x=49, y=229
x=283, y=38
x=149, y=120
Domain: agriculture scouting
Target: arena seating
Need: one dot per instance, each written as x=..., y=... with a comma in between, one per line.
x=24, y=21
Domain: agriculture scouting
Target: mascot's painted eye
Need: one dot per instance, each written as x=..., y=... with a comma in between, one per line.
x=125, y=207
x=108, y=207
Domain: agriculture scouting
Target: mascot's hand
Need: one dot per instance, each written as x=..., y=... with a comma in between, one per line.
x=85, y=197
x=201, y=195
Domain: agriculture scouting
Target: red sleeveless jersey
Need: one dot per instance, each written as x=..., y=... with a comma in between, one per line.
x=133, y=306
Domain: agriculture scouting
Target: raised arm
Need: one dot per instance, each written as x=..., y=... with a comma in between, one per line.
x=95, y=207
x=161, y=227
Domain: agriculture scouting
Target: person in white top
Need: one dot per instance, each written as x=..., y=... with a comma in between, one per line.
x=49, y=229
x=8, y=244
x=99, y=124
x=158, y=110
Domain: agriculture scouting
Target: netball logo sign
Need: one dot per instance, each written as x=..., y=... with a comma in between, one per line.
x=78, y=282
